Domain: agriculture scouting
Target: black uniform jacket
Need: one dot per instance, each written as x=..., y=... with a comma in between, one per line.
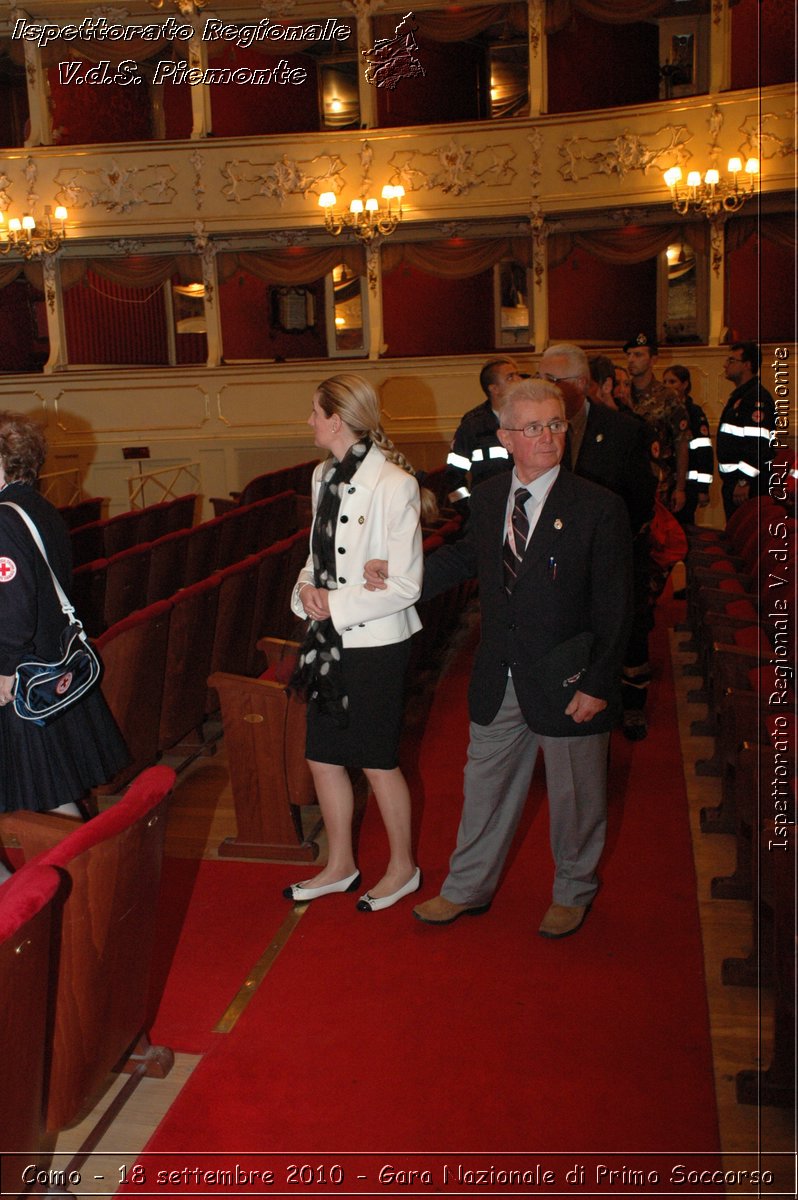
x=614, y=453
x=566, y=623
x=31, y=620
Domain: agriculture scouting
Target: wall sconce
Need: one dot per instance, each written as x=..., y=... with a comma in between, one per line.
x=25, y=236
x=367, y=220
x=713, y=195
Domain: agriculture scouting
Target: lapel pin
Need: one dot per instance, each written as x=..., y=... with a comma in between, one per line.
x=599, y=437
x=558, y=523
x=361, y=520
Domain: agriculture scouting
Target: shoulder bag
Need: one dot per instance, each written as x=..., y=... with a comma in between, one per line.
x=42, y=690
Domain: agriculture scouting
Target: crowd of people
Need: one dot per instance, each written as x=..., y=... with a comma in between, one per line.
x=558, y=478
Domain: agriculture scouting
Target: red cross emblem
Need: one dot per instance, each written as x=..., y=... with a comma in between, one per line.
x=8, y=569
x=63, y=684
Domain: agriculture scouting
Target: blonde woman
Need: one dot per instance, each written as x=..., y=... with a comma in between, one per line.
x=366, y=504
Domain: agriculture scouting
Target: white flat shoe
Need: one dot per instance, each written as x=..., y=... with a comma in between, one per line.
x=300, y=894
x=369, y=903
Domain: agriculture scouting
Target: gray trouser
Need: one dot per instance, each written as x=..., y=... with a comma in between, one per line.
x=501, y=759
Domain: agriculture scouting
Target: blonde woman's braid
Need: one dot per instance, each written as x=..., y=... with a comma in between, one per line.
x=429, y=505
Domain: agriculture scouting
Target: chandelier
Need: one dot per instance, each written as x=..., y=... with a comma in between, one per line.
x=712, y=195
x=366, y=219
x=30, y=238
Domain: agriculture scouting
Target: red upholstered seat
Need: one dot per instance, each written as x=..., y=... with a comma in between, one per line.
x=134, y=657
x=84, y=512
x=126, y=583
x=26, y=955
x=122, y=532
x=188, y=660
x=88, y=595
x=167, y=565
x=88, y=543
x=202, y=551
x=182, y=510
x=237, y=588
x=106, y=936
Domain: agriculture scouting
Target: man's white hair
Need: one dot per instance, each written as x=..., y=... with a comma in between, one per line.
x=529, y=390
x=574, y=354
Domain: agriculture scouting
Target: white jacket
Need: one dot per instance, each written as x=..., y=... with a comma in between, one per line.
x=378, y=518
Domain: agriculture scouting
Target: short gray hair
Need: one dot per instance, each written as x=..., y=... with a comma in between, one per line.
x=534, y=390
x=574, y=354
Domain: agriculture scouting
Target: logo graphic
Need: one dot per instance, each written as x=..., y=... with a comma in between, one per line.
x=392, y=59
x=63, y=684
x=8, y=569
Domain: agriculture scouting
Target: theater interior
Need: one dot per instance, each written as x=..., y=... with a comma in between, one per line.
x=204, y=211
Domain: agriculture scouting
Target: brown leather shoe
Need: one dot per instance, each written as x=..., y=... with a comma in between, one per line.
x=441, y=911
x=562, y=919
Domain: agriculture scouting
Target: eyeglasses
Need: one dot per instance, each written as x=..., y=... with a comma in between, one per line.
x=731, y=358
x=535, y=428
x=555, y=378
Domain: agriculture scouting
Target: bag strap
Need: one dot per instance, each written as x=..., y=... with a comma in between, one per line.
x=66, y=608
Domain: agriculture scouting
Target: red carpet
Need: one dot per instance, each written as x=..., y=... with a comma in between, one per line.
x=378, y=1035
x=215, y=919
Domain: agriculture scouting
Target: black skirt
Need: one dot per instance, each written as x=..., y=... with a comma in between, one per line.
x=374, y=681
x=44, y=766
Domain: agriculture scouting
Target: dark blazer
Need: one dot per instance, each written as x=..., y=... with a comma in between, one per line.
x=569, y=612
x=31, y=620
x=614, y=453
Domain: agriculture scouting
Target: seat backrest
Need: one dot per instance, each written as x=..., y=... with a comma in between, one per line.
x=26, y=956
x=167, y=565
x=237, y=589
x=202, y=552
x=181, y=512
x=88, y=595
x=88, y=543
x=84, y=512
x=122, y=532
x=188, y=660
x=106, y=938
x=134, y=659
x=126, y=583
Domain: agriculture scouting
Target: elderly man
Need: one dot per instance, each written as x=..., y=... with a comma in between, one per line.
x=476, y=453
x=612, y=449
x=553, y=556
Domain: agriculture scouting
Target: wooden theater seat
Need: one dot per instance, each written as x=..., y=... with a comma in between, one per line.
x=264, y=729
x=26, y=921
x=105, y=940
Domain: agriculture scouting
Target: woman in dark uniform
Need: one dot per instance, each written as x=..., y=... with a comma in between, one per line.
x=366, y=504
x=45, y=768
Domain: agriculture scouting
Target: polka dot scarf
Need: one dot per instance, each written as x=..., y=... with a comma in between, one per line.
x=318, y=671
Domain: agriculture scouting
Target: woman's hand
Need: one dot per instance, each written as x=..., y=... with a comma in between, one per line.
x=6, y=689
x=375, y=573
x=315, y=601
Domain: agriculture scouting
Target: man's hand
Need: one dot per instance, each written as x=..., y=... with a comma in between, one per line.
x=375, y=573
x=584, y=708
x=741, y=493
x=315, y=601
x=6, y=689
x=678, y=500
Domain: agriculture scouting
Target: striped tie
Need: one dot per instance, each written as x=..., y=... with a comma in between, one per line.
x=512, y=558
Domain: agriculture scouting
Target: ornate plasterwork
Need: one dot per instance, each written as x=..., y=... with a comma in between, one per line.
x=5, y=184
x=115, y=188
x=539, y=228
x=627, y=152
x=454, y=168
x=453, y=229
x=535, y=25
x=287, y=237
x=762, y=141
x=535, y=139
x=198, y=187
x=282, y=178
x=127, y=246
